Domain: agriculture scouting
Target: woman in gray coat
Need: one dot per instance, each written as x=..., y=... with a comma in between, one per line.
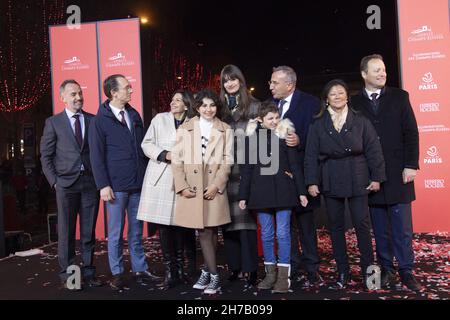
x=240, y=237
x=343, y=161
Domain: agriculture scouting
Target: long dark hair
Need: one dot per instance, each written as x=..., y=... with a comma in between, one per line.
x=188, y=101
x=232, y=72
x=326, y=90
x=208, y=93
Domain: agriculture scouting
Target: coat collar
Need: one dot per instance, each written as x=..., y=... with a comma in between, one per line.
x=189, y=124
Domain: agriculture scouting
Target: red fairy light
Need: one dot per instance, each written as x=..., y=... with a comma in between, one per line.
x=24, y=52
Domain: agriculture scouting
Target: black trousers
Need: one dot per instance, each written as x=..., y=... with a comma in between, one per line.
x=81, y=198
x=171, y=238
x=241, y=250
x=336, y=222
x=303, y=229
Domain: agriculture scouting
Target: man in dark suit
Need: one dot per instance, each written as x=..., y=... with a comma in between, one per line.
x=391, y=113
x=66, y=165
x=300, y=108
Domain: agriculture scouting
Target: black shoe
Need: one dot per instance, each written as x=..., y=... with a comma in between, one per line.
x=314, y=278
x=93, y=282
x=117, y=282
x=410, y=282
x=343, y=280
x=234, y=276
x=146, y=276
x=310, y=280
x=251, y=278
x=388, y=279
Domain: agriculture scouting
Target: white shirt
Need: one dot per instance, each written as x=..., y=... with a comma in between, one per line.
x=205, y=127
x=286, y=106
x=116, y=112
x=70, y=114
x=369, y=93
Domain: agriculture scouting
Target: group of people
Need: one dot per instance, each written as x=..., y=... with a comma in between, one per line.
x=227, y=160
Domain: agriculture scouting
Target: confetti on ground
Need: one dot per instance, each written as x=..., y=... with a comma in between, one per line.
x=432, y=269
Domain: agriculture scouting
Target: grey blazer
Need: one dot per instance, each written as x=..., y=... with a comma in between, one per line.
x=61, y=156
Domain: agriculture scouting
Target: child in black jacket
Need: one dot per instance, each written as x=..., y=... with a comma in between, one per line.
x=272, y=184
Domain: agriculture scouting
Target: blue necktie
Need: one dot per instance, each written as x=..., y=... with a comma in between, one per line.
x=280, y=107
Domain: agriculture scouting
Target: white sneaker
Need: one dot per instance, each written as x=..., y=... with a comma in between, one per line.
x=203, y=281
x=214, y=285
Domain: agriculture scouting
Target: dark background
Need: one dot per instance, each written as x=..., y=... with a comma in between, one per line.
x=320, y=39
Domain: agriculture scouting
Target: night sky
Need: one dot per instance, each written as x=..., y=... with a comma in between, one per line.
x=319, y=39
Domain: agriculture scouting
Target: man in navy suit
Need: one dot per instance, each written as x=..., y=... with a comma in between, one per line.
x=300, y=108
x=66, y=165
x=119, y=164
x=391, y=114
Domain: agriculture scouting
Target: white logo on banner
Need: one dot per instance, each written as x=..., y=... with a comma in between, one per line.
x=119, y=60
x=73, y=60
x=433, y=156
x=429, y=107
x=73, y=63
x=424, y=33
x=118, y=56
x=427, y=82
x=435, y=184
x=422, y=30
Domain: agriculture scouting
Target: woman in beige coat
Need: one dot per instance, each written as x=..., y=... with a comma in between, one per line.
x=201, y=163
x=157, y=201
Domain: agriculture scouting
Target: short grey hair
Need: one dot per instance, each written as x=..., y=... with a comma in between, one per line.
x=63, y=85
x=288, y=71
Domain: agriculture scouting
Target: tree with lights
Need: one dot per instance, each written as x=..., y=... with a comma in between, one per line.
x=24, y=58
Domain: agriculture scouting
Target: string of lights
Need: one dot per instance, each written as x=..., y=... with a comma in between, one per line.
x=24, y=52
x=179, y=73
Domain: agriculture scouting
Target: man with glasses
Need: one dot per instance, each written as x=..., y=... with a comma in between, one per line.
x=119, y=164
x=300, y=108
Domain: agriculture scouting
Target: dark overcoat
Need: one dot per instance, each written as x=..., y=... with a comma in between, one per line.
x=396, y=126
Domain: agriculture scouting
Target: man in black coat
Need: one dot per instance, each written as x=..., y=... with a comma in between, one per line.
x=66, y=165
x=300, y=108
x=391, y=113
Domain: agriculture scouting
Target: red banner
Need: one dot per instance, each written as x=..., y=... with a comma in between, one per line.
x=101, y=48
x=425, y=65
x=74, y=56
x=120, y=52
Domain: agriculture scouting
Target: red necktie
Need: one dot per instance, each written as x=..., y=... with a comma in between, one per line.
x=78, y=134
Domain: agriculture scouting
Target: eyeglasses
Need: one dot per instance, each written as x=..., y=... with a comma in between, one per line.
x=275, y=83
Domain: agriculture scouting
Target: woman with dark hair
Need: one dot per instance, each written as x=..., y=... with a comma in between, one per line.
x=240, y=237
x=157, y=203
x=201, y=164
x=343, y=161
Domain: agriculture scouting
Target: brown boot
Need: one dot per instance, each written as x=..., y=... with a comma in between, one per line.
x=283, y=283
x=270, y=278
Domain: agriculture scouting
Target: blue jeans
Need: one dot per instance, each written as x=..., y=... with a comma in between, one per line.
x=392, y=227
x=283, y=222
x=128, y=201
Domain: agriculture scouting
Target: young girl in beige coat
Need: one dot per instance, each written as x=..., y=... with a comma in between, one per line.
x=201, y=163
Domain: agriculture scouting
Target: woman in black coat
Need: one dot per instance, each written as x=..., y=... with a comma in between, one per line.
x=344, y=158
